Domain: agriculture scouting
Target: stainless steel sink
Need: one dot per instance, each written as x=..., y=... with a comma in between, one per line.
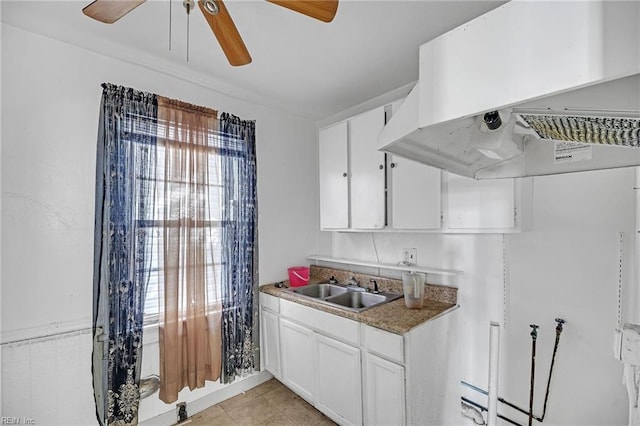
x=359, y=301
x=354, y=299
x=320, y=291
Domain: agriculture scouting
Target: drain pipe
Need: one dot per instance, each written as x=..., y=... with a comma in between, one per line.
x=534, y=337
x=494, y=358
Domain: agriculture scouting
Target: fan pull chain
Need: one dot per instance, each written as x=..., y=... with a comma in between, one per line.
x=188, y=5
x=170, y=16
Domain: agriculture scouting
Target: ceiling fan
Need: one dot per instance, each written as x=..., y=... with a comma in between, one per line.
x=218, y=18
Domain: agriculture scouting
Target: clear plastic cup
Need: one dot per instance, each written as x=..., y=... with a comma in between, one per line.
x=413, y=286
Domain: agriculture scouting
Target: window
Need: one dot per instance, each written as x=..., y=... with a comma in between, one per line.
x=212, y=235
x=212, y=232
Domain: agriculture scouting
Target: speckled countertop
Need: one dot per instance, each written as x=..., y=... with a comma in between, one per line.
x=393, y=316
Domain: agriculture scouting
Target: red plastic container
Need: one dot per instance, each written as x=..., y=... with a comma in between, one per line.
x=298, y=276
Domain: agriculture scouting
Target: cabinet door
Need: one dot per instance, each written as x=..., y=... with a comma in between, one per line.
x=339, y=388
x=367, y=171
x=415, y=195
x=384, y=392
x=296, y=353
x=334, y=177
x=270, y=342
x=480, y=204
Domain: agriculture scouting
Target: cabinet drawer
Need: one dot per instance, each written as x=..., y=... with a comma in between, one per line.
x=270, y=302
x=329, y=324
x=383, y=343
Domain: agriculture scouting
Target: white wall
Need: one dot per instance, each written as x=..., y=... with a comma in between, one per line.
x=566, y=265
x=50, y=104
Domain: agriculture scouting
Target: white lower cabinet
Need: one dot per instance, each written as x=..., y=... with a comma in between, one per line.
x=270, y=341
x=339, y=385
x=361, y=375
x=383, y=391
x=297, y=357
x=320, y=360
x=270, y=333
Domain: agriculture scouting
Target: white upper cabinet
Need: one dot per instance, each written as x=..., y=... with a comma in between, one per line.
x=352, y=174
x=367, y=171
x=334, y=177
x=482, y=205
x=363, y=189
x=414, y=195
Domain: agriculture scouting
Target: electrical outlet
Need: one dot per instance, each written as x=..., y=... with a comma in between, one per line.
x=181, y=411
x=410, y=255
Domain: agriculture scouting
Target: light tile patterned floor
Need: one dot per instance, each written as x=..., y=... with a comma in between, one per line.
x=270, y=403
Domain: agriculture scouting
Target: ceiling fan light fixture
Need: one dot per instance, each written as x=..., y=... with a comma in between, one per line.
x=211, y=6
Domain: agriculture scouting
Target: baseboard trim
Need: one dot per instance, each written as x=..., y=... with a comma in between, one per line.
x=201, y=404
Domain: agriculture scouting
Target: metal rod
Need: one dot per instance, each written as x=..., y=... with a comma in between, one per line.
x=559, y=327
x=475, y=404
x=534, y=337
x=559, y=322
x=501, y=400
x=188, y=15
x=475, y=388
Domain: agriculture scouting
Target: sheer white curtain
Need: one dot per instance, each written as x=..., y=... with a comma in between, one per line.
x=190, y=309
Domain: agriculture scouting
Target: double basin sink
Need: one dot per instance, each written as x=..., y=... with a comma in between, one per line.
x=350, y=298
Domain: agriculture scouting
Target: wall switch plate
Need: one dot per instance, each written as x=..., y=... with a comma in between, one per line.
x=410, y=256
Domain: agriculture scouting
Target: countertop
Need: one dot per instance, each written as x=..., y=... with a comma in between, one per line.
x=393, y=316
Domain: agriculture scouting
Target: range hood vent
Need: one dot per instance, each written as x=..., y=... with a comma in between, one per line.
x=558, y=98
x=621, y=131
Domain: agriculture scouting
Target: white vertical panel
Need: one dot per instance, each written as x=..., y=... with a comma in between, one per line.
x=367, y=171
x=334, y=180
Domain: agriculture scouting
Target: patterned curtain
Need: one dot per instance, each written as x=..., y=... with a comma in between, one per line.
x=125, y=180
x=239, y=249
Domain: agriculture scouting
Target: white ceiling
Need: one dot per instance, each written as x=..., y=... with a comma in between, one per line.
x=300, y=65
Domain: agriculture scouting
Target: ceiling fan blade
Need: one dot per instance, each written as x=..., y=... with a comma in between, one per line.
x=227, y=34
x=324, y=10
x=109, y=11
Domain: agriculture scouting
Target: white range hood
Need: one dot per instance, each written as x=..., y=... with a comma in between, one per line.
x=501, y=95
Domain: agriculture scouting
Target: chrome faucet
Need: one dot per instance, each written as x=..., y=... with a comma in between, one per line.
x=376, y=290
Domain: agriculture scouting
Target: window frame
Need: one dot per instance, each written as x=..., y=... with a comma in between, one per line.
x=217, y=148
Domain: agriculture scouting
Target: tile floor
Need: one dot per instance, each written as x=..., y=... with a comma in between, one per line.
x=270, y=403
